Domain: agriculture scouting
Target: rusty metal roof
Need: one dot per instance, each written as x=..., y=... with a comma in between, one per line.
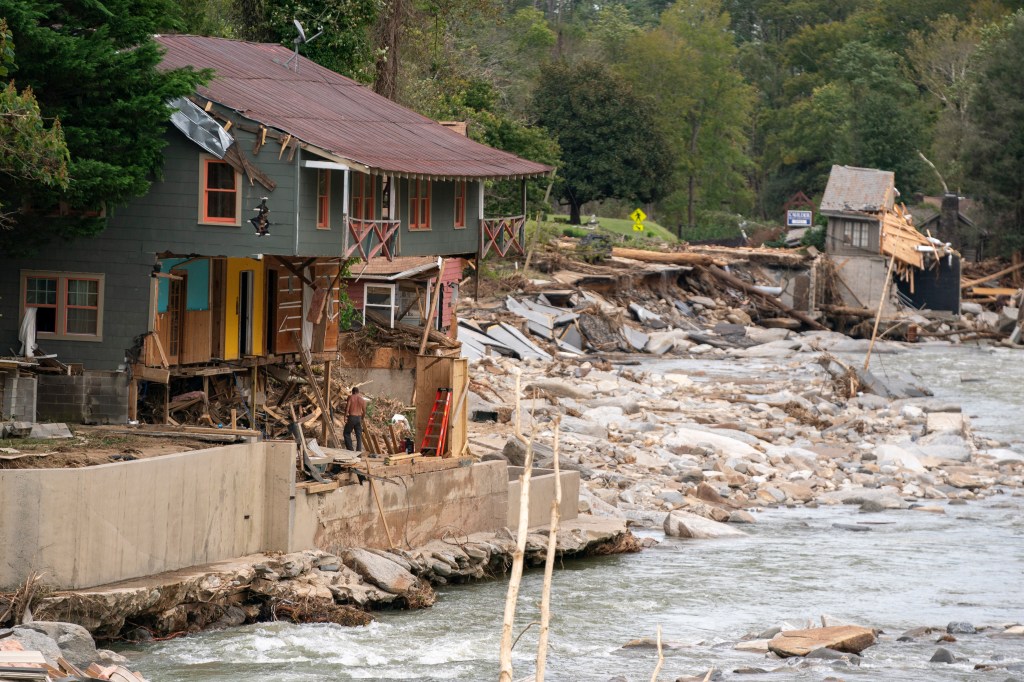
x=335, y=114
x=858, y=190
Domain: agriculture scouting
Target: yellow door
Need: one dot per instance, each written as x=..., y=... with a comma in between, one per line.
x=244, y=330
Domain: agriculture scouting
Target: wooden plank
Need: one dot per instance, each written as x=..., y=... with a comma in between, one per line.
x=161, y=376
x=432, y=373
x=21, y=657
x=994, y=291
x=318, y=488
x=196, y=336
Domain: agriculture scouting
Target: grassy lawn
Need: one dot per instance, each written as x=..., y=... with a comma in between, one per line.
x=624, y=226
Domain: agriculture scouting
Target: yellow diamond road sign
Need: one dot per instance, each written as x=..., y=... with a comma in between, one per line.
x=638, y=217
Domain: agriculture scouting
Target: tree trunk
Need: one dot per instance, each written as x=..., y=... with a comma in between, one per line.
x=387, y=34
x=574, y=212
x=691, y=189
x=691, y=219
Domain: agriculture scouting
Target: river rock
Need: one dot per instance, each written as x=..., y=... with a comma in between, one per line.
x=75, y=642
x=560, y=389
x=659, y=343
x=942, y=655
x=756, y=645
x=944, y=422
x=848, y=638
x=384, y=573
x=888, y=453
x=682, y=524
x=583, y=427
x=34, y=640
x=961, y=628
x=683, y=438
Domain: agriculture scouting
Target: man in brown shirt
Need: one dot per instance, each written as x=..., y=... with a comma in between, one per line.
x=355, y=410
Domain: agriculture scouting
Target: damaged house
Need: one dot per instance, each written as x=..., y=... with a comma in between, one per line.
x=275, y=174
x=871, y=238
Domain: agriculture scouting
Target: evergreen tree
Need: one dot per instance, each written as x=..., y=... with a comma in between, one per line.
x=29, y=150
x=93, y=66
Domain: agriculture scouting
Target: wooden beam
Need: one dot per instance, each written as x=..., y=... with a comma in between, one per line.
x=428, y=323
x=297, y=270
x=994, y=275
x=140, y=371
x=675, y=258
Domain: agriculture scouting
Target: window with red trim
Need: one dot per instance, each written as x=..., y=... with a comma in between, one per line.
x=419, y=204
x=68, y=306
x=364, y=194
x=323, y=199
x=220, y=192
x=460, y=204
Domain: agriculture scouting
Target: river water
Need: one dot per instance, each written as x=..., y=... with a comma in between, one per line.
x=909, y=569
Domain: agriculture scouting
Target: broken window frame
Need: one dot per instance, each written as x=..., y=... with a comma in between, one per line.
x=323, y=199
x=390, y=307
x=205, y=162
x=63, y=303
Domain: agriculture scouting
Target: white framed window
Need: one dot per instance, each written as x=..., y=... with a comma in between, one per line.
x=381, y=299
x=856, y=234
x=68, y=306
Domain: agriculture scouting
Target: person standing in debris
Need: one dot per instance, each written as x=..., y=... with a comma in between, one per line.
x=355, y=410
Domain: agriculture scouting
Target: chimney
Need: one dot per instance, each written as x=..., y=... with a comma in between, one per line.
x=949, y=218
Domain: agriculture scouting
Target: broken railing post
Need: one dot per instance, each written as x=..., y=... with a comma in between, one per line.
x=518, y=557
x=549, y=565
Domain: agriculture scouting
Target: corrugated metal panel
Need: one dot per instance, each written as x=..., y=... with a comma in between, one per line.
x=334, y=113
x=858, y=190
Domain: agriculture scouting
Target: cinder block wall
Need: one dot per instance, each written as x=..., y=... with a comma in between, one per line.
x=17, y=397
x=95, y=397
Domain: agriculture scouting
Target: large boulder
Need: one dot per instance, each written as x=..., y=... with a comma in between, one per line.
x=680, y=524
x=384, y=573
x=560, y=389
x=34, y=640
x=75, y=642
x=729, y=447
x=849, y=638
x=888, y=453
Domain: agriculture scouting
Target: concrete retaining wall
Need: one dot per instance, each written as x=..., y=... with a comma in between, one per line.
x=542, y=493
x=418, y=509
x=95, y=525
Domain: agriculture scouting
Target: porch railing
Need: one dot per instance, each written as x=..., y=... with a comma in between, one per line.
x=503, y=235
x=370, y=238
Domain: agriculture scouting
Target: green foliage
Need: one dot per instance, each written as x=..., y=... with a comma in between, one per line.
x=702, y=103
x=996, y=146
x=346, y=45
x=93, y=67
x=29, y=150
x=611, y=144
x=505, y=133
x=815, y=236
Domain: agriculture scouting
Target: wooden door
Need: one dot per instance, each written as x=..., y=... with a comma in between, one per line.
x=287, y=313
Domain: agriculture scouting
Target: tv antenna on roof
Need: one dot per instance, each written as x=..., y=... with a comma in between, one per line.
x=301, y=39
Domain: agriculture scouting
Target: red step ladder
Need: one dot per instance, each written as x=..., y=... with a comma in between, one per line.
x=437, y=426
